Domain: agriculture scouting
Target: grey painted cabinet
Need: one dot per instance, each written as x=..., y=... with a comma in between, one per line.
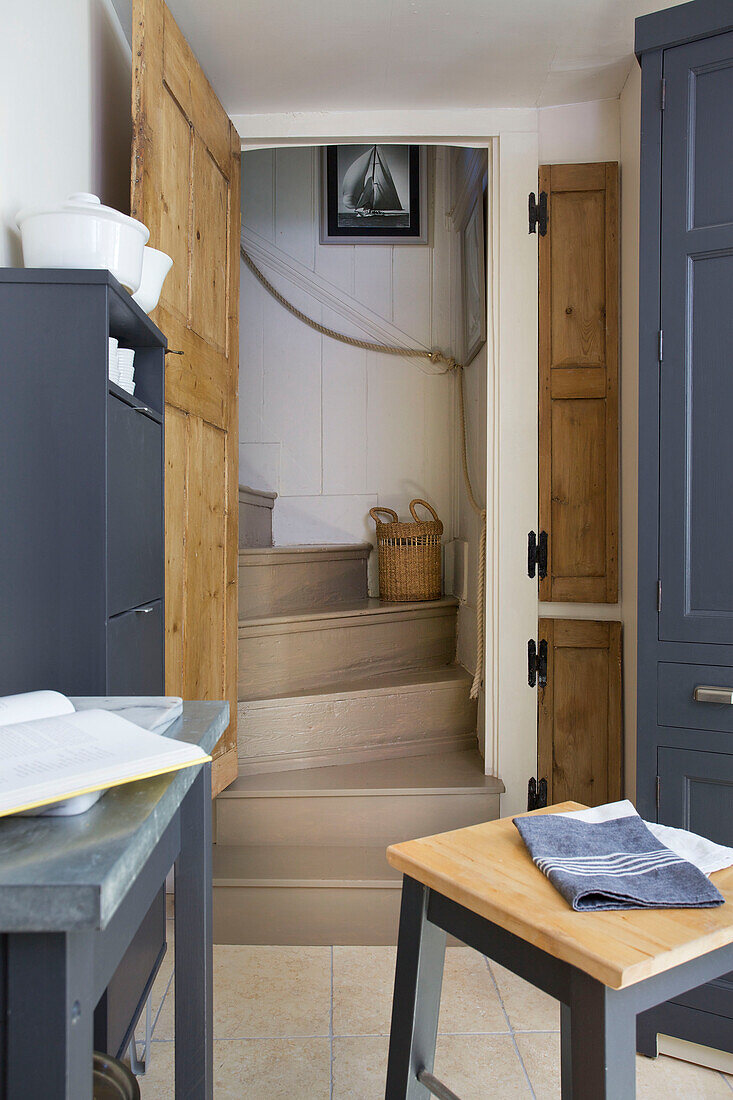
x=81, y=489
x=81, y=524
x=685, y=744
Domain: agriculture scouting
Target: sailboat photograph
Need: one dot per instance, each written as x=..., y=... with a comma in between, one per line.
x=374, y=193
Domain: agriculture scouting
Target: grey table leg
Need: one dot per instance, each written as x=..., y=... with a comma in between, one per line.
x=49, y=1016
x=598, y=1043
x=194, y=961
x=416, y=1004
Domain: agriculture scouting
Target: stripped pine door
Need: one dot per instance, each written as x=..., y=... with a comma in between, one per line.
x=185, y=188
x=579, y=728
x=578, y=357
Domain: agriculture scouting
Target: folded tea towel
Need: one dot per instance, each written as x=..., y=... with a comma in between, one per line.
x=614, y=864
x=705, y=854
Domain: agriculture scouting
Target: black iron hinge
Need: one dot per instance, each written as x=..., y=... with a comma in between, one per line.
x=538, y=213
x=537, y=554
x=658, y=793
x=536, y=794
x=663, y=94
x=537, y=663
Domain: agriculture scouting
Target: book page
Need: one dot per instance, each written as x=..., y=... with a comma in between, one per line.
x=33, y=704
x=57, y=757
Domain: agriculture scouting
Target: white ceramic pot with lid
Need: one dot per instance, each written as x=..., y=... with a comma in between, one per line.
x=156, y=265
x=82, y=233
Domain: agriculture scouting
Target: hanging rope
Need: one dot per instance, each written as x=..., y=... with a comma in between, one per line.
x=435, y=356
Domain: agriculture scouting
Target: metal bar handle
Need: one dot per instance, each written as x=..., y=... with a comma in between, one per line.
x=144, y=610
x=435, y=1086
x=705, y=693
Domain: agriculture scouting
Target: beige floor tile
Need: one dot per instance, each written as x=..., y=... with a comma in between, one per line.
x=265, y=991
x=656, y=1079
x=528, y=1008
x=469, y=1001
x=360, y=1067
x=474, y=1066
x=363, y=980
x=258, y=1069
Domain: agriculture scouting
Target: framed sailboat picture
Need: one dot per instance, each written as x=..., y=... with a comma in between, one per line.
x=374, y=194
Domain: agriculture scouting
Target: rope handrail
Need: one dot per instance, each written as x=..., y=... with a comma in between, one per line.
x=451, y=367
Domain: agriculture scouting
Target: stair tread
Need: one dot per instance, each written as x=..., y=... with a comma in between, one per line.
x=358, y=608
x=458, y=772
x=306, y=548
x=303, y=865
x=382, y=683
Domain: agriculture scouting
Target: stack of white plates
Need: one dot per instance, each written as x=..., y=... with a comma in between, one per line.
x=112, y=358
x=124, y=373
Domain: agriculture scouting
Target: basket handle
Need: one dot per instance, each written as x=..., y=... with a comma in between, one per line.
x=425, y=504
x=373, y=513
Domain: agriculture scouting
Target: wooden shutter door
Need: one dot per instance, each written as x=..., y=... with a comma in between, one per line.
x=578, y=356
x=579, y=729
x=185, y=187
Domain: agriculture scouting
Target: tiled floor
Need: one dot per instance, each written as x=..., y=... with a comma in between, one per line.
x=312, y=1023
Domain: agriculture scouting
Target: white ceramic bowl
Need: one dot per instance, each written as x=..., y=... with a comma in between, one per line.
x=81, y=233
x=156, y=266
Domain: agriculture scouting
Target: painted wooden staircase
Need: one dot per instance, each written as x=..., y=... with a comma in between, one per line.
x=355, y=730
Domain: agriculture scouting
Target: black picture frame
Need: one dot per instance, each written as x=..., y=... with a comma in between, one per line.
x=375, y=229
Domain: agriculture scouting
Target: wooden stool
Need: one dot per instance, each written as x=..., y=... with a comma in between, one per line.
x=480, y=885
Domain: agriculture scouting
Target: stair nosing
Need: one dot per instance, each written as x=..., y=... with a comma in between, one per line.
x=476, y=784
x=362, y=611
x=336, y=552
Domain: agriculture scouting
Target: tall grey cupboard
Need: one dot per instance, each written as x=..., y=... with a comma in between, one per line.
x=685, y=662
x=81, y=526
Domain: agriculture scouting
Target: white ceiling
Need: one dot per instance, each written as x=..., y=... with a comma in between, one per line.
x=272, y=56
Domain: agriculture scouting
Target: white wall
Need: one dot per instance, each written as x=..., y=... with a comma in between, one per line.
x=336, y=430
x=65, y=72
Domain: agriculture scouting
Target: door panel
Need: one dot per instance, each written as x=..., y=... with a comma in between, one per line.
x=696, y=793
x=134, y=497
x=579, y=734
x=185, y=187
x=135, y=651
x=696, y=406
x=578, y=354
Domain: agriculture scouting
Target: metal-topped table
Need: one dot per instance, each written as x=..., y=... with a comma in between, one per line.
x=73, y=892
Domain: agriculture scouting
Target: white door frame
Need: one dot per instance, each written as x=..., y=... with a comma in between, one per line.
x=510, y=136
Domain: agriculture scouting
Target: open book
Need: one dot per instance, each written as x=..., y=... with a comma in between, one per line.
x=52, y=754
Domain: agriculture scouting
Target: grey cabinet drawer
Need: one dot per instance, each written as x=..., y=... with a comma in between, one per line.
x=135, y=651
x=676, y=703
x=124, y=999
x=134, y=507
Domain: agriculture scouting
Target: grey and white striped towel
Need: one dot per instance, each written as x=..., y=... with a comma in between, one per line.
x=615, y=864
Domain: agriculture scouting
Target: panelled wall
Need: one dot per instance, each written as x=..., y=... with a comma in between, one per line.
x=336, y=430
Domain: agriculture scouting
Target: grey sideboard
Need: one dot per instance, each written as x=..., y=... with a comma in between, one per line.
x=73, y=893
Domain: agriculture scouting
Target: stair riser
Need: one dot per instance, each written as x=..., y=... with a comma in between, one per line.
x=333, y=725
x=295, y=656
x=309, y=916
x=294, y=584
x=349, y=819
x=255, y=517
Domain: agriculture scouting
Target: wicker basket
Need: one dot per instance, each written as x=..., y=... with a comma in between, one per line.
x=409, y=556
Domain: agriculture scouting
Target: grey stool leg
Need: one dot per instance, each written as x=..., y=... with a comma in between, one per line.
x=598, y=1036
x=416, y=1004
